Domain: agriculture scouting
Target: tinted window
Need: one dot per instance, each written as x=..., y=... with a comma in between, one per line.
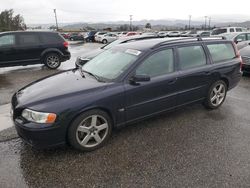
x=157, y=64
x=51, y=38
x=205, y=34
x=27, y=39
x=7, y=40
x=238, y=30
x=231, y=30
x=191, y=56
x=219, y=31
x=248, y=36
x=220, y=52
x=242, y=37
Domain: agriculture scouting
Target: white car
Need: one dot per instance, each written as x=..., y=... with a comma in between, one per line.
x=98, y=35
x=224, y=30
x=241, y=39
x=174, y=34
x=109, y=37
x=163, y=34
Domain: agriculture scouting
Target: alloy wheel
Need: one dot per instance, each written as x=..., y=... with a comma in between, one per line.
x=92, y=131
x=218, y=94
x=53, y=61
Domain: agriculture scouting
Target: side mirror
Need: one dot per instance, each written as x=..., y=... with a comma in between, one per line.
x=238, y=40
x=139, y=78
x=80, y=62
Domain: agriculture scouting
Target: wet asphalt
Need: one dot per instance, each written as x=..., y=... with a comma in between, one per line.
x=190, y=147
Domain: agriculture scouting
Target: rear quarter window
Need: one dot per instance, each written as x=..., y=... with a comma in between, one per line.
x=221, y=52
x=191, y=56
x=51, y=38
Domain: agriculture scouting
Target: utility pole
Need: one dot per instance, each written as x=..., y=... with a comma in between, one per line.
x=209, y=19
x=189, y=22
x=131, y=18
x=205, y=22
x=56, y=19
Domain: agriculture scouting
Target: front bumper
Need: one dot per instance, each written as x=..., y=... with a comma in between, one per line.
x=41, y=137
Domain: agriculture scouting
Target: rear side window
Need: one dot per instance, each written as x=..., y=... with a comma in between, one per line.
x=231, y=30
x=221, y=52
x=7, y=40
x=191, y=56
x=238, y=30
x=28, y=39
x=51, y=38
x=219, y=31
x=157, y=64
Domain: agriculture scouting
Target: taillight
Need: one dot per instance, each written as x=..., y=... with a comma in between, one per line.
x=238, y=55
x=66, y=44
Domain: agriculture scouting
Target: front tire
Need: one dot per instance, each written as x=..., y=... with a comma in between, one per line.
x=90, y=130
x=216, y=95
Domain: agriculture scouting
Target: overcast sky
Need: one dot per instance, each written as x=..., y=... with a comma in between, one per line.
x=41, y=11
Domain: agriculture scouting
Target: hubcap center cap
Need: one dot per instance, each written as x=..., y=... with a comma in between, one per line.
x=92, y=130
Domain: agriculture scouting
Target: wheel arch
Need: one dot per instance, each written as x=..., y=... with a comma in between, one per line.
x=225, y=79
x=50, y=50
x=106, y=110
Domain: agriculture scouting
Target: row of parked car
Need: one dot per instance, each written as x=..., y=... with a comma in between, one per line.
x=50, y=48
x=94, y=36
x=107, y=37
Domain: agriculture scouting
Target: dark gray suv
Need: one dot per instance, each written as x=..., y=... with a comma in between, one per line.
x=28, y=48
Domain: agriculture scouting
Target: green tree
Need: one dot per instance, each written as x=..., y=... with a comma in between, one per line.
x=9, y=22
x=148, y=25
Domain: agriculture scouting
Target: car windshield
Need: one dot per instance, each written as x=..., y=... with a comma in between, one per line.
x=110, y=64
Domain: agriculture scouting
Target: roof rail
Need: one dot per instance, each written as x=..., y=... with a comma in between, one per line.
x=189, y=38
x=140, y=38
x=170, y=41
x=210, y=37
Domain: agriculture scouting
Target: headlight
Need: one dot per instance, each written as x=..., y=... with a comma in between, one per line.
x=38, y=117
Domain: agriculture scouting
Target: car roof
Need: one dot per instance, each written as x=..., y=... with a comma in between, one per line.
x=144, y=45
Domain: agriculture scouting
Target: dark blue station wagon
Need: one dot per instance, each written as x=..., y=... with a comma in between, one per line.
x=124, y=84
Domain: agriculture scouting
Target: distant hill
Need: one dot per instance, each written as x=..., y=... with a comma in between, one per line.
x=156, y=24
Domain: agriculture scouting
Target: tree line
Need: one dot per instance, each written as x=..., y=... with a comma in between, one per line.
x=11, y=22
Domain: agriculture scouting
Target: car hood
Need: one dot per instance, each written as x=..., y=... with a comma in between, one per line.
x=58, y=86
x=92, y=53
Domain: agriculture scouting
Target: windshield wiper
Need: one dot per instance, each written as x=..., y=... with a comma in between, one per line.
x=90, y=73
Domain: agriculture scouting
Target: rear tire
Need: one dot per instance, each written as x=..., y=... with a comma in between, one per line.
x=90, y=130
x=104, y=41
x=216, y=95
x=52, y=60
